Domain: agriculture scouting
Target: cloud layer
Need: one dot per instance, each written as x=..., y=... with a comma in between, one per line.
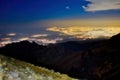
x=84, y=32
x=100, y=5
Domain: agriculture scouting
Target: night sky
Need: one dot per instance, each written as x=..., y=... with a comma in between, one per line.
x=34, y=17
x=13, y=11
x=16, y=11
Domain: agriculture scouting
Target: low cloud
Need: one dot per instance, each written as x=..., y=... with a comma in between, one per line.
x=100, y=5
x=84, y=32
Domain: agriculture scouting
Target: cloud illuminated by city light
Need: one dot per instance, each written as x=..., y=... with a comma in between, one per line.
x=39, y=35
x=87, y=32
x=24, y=38
x=11, y=34
x=6, y=39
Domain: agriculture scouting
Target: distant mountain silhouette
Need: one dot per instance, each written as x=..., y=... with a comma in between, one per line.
x=92, y=60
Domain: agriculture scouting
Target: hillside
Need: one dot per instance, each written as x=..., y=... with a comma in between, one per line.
x=12, y=69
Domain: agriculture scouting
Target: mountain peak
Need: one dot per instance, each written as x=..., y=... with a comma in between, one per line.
x=115, y=39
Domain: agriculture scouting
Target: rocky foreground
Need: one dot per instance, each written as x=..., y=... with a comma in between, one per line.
x=11, y=69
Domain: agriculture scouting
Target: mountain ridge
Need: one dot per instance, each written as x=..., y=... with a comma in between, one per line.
x=97, y=60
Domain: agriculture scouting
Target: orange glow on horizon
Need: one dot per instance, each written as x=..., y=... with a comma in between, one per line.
x=87, y=32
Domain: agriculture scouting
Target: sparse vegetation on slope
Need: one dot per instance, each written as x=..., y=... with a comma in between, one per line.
x=12, y=69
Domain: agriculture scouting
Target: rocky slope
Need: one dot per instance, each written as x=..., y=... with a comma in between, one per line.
x=97, y=60
x=11, y=69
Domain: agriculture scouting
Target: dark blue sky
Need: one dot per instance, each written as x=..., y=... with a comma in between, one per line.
x=15, y=14
x=15, y=11
x=29, y=10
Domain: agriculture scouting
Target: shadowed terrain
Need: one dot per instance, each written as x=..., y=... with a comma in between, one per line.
x=92, y=60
